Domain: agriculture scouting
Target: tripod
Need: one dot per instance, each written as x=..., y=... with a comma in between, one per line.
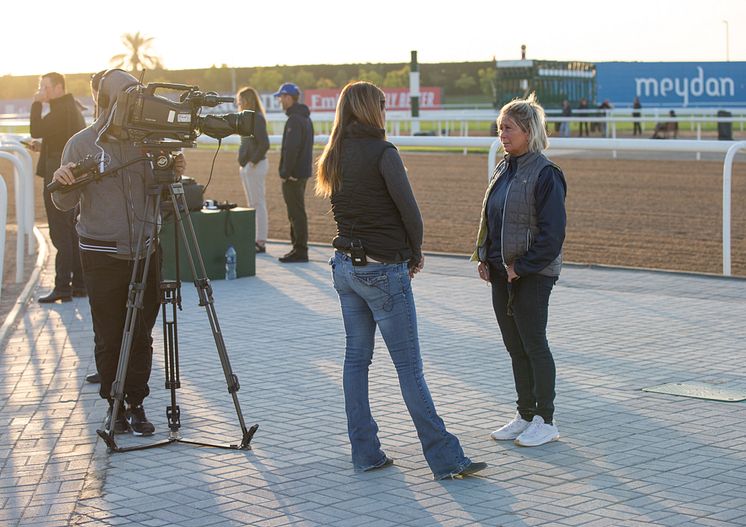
x=167, y=187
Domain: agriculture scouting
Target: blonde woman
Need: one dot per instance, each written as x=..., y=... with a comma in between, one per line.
x=519, y=249
x=378, y=252
x=252, y=158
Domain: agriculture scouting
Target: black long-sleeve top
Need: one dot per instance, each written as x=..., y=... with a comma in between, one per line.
x=54, y=129
x=254, y=148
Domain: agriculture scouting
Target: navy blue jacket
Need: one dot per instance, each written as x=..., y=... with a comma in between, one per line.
x=296, y=159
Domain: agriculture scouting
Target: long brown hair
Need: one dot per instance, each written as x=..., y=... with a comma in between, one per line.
x=362, y=102
x=251, y=99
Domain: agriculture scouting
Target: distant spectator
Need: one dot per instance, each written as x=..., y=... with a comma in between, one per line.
x=565, y=125
x=54, y=129
x=636, y=127
x=604, y=107
x=296, y=167
x=252, y=158
x=583, y=106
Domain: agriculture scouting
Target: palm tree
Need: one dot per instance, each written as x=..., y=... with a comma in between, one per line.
x=136, y=57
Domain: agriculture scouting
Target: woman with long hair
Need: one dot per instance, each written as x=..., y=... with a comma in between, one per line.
x=252, y=159
x=519, y=250
x=378, y=252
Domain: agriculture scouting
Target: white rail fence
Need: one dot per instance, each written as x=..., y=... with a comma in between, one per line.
x=729, y=149
x=3, y=223
x=23, y=185
x=458, y=122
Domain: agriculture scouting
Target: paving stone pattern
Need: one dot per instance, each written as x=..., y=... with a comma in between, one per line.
x=625, y=458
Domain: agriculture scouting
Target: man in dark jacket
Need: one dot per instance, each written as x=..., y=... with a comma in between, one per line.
x=54, y=129
x=296, y=167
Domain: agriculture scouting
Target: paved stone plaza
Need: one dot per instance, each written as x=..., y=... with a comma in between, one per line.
x=626, y=457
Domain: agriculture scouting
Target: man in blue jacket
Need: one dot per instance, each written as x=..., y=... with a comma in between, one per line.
x=296, y=167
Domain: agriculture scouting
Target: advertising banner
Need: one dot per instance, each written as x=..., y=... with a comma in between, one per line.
x=396, y=99
x=710, y=84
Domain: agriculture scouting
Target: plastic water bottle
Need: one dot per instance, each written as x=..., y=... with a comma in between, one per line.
x=230, y=263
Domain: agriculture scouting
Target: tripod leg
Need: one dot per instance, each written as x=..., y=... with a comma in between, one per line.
x=170, y=295
x=202, y=283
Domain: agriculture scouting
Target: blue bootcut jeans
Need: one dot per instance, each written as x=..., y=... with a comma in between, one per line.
x=525, y=337
x=380, y=295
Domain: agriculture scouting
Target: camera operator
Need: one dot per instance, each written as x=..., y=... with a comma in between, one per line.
x=112, y=212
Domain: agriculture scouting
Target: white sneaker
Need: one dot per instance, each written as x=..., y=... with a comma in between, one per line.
x=537, y=433
x=511, y=430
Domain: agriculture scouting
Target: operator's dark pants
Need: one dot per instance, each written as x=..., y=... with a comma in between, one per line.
x=67, y=267
x=294, y=193
x=107, y=280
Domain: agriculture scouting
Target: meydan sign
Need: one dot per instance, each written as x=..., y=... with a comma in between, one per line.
x=673, y=83
x=697, y=86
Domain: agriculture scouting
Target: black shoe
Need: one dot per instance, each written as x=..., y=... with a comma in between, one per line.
x=138, y=422
x=54, y=296
x=260, y=248
x=293, y=257
x=471, y=468
x=120, y=426
x=387, y=463
x=79, y=292
x=93, y=378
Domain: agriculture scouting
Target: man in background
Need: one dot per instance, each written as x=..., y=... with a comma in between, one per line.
x=296, y=167
x=54, y=129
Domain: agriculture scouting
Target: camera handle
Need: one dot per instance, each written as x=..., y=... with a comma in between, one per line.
x=90, y=174
x=170, y=294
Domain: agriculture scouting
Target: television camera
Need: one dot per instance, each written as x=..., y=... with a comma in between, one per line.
x=161, y=125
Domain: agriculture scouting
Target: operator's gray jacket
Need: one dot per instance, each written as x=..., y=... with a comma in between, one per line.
x=112, y=210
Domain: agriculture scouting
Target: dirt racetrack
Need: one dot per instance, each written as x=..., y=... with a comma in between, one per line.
x=664, y=214
x=652, y=214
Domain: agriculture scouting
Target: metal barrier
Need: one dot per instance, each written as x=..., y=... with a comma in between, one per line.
x=727, y=179
x=3, y=224
x=728, y=148
x=11, y=144
x=20, y=215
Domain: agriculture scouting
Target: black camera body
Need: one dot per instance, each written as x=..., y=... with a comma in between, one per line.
x=146, y=118
x=161, y=126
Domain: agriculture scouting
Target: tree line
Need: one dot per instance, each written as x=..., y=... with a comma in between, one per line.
x=457, y=79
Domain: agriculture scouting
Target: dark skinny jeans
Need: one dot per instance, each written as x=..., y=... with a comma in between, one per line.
x=525, y=337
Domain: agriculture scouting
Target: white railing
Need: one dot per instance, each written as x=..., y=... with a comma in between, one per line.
x=727, y=178
x=11, y=144
x=727, y=148
x=457, y=122
x=19, y=170
x=3, y=225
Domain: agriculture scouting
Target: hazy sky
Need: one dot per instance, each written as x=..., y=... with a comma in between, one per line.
x=74, y=36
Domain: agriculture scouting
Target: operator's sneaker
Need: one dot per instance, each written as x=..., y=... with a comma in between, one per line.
x=120, y=426
x=138, y=422
x=537, y=433
x=511, y=430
